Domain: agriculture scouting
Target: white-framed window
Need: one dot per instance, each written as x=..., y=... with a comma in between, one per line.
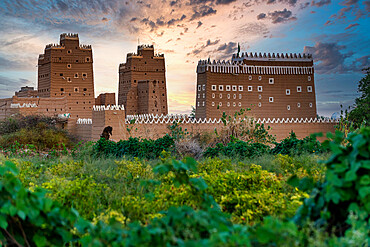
x=250, y=77
x=69, y=79
x=76, y=89
x=228, y=96
x=309, y=89
x=240, y=96
x=288, y=107
x=259, y=78
x=298, y=105
x=250, y=88
x=234, y=96
x=214, y=87
x=228, y=87
x=203, y=103
x=220, y=95
x=310, y=104
x=204, y=87
x=271, y=99
x=213, y=96
x=259, y=88
x=69, y=51
x=309, y=78
x=241, y=88
x=198, y=95
x=84, y=75
x=76, y=75
x=260, y=96
x=204, y=95
x=234, y=104
x=87, y=59
x=221, y=87
x=287, y=91
x=199, y=87
x=299, y=89
x=240, y=104
x=213, y=103
x=220, y=104
x=271, y=80
x=198, y=103
x=69, y=66
x=259, y=104
x=234, y=88
x=228, y=104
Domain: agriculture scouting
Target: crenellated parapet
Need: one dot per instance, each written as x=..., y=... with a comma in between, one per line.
x=108, y=108
x=24, y=105
x=84, y=121
x=304, y=57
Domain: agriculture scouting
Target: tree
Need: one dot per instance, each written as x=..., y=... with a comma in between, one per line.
x=361, y=112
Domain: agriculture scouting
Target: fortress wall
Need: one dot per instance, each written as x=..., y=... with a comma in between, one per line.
x=84, y=129
x=113, y=116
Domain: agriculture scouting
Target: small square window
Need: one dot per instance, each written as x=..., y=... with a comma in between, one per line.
x=214, y=87
x=76, y=75
x=220, y=104
x=240, y=96
x=204, y=95
x=288, y=107
x=69, y=66
x=299, y=89
x=260, y=96
x=309, y=89
x=240, y=104
x=62, y=89
x=259, y=104
x=213, y=96
x=234, y=88
x=234, y=104
x=250, y=88
x=220, y=95
x=213, y=103
x=259, y=88
x=234, y=96
x=309, y=78
x=69, y=79
x=271, y=99
x=228, y=104
x=259, y=78
x=228, y=96
x=203, y=103
x=228, y=87
x=87, y=59
x=241, y=88
x=84, y=75
x=250, y=77
x=271, y=80
x=204, y=87
x=198, y=104
x=199, y=87
x=69, y=51
x=298, y=105
x=310, y=104
x=221, y=87
x=287, y=91
x=76, y=89
x=198, y=95
x=61, y=74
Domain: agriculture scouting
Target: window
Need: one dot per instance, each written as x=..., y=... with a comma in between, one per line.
x=240, y=104
x=228, y=104
x=213, y=103
x=69, y=66
x=221, y=87
x=259, y=104
x=288, y=107
x=204, y=87
x=241, y=88
x=61, y=74
x=213, y=96
x=271, y=99
x=198, y=103
x=76, y=75
x=85, y=89
x=69, y=51
x=287, y=91
x=84, y=75
x=250, y=88
x=203, y=103
x=259, y=88
x=198, y=95
x=87, y=59
x=234, y=96
x=69, y=79
x=271, y=80
x=228, y=87
x=250, y=77
x=76, y=89
x=234, y=88
x=299, y=89
x=220, y=104
x=204, y=95
x=228, y=96
x=309, y=89
x=309, y=78
x=260, y=96
x=220, y=95
x=240, y=96
x=214, y=87
x=310, y=104
x=199, y=88
x=298, y=105
x=62, y=89
x=259, y=78
x=234, y=104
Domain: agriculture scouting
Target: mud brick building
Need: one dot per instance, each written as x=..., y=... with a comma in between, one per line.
x=106, y=99
x=272, y=85
x=142, y=82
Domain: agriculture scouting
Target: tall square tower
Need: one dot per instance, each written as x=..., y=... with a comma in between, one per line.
x=142, y=82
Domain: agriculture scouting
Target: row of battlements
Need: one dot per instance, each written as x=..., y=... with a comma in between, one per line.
x=24, y=105
x=108, y=107
x=69, y=35
x=84, y=121
x=62, y=46
x=286, y=56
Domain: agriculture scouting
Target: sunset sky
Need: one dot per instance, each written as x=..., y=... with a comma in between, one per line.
x=337, y=33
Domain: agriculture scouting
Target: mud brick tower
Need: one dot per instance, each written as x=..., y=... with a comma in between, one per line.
x=272, y=85
x=65, y=70
x=142, y=82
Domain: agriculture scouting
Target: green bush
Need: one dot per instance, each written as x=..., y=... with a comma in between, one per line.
x=238, y=148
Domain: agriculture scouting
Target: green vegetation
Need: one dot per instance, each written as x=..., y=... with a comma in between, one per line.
x=266, y=200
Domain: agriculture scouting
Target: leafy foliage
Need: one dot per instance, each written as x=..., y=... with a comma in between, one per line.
x=237, y=148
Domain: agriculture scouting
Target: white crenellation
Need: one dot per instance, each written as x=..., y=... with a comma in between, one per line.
x=84, y=121
x=24, y=105
x=108, y=107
